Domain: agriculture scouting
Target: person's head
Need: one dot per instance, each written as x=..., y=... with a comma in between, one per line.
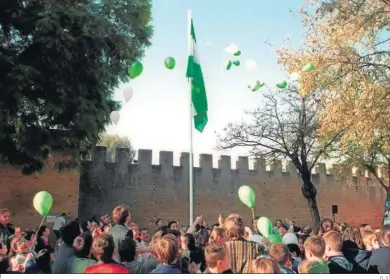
x=306, y=230
x=173, y=225
x=301, y=241
x=82, y=245
x=278, y=223
x=385, y=236
x=352, y=234
x=4, y=216
x=43, y=260
x=85, y=226
x=294, y=250
x=234, y=227
x=202, y=237
x=121, y=215
x=93, y=225
x=166, y=248
x=106, y=219
x=69, y=232
x=217, y=235
x=63, y=215
x=282, y=229
x=204, y=224
x=314, y=248
x=126, y=250
x=43, y=231
x=145, y=237
x=217, y=258
x=134, y=228
x=20, y=245
x=263, y=265
x=280, y=254
x=189, y=242
x=304, y=267
x=370, y=241
x=103, y=248
x=159, y=222
x=333, y=241
x=326, y=225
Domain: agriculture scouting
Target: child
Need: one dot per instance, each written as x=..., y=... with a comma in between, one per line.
x=167, y=249
x=337, y=263
x=314, y=252
x=218, y=259
x=281, y=255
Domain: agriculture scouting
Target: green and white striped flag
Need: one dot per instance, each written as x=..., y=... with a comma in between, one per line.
x=198, y=89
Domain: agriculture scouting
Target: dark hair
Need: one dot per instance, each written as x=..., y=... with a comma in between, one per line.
x=171, y=223
x=215, y=225
x=170, y=231
x=326, y=225
x=303, y=237
x=28, y=235
x=84, y=226
x=130, y=234
x=363, y=225
x=292, y=247
x=190, y=241
x=82, y=245
x=41, y=230
x=157, y=221
x=69, y=232
x=63, y=214
x=278, y=220
x=161, y=229
x=43, y=261
x=282, y=226
x=126, y=249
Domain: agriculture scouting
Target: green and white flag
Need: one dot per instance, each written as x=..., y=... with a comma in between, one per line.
x=198, y=89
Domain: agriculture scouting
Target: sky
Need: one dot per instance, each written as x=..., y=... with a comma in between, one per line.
x=158, y=115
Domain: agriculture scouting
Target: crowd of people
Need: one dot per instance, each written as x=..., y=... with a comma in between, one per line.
x=114, y=244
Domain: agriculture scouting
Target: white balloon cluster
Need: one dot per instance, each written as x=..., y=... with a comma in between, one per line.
x=127, y=95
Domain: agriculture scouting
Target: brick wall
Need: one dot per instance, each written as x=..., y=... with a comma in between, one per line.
x=17, y=192
x=161, y=191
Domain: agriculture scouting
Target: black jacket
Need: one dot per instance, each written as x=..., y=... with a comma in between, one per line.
x=339, y=265
x=359, y=258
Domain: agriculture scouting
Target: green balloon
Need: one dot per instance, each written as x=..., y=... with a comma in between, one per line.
x=274, y=238
x=282, y=84
x=236, y=63
x=238, y=53
x=43, y=201
x=170, y=63
x=135, y=69
x=228, y=65
x=308, y=68
x=247, y=196
x=264, y=225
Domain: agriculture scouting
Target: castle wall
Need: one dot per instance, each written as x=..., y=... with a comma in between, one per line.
x=161, y=191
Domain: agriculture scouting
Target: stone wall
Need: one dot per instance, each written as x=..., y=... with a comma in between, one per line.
x=161, y=191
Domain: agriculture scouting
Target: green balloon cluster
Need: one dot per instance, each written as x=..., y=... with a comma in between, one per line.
x=229, y=64
x=256, y=86
x=135, y=69
x=274, y=238
x=43, y=201
x=170, y=63
x=247, y=196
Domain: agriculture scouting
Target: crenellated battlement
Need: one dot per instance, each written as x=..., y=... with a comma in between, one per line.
x=243, y=165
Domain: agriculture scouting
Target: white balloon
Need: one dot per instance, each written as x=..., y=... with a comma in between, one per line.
x=251, y=64
x=290, y=238
x=232, y=48
x=295, y=76
x=114, y=116
x=127, y=93
x=255, y=238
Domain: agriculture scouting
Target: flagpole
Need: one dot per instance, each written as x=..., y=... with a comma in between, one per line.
x=191, y=157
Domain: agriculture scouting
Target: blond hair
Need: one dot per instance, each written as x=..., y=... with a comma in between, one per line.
x=304, y=267
x=216, y=233
x=369, y=239
x=333, y=240
x=234, y=227
x=214, y=253
x=263, y=266
x=316, y=245
x=166, y=248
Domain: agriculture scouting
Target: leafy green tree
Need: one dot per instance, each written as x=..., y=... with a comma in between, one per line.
x=60, y=62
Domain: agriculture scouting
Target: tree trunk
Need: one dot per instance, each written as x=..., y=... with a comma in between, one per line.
x=309, y=192
x=388, y=194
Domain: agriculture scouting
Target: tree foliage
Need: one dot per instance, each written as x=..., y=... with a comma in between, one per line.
x=114, y=141
x=348, y=42
x=285, y=127
x=59, y=64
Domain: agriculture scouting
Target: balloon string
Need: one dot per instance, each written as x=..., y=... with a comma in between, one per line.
x=36, y=234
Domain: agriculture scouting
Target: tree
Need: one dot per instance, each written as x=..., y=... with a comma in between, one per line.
x=286, y=127
x=60, y=62
x=114, y=141
x=348, y=42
